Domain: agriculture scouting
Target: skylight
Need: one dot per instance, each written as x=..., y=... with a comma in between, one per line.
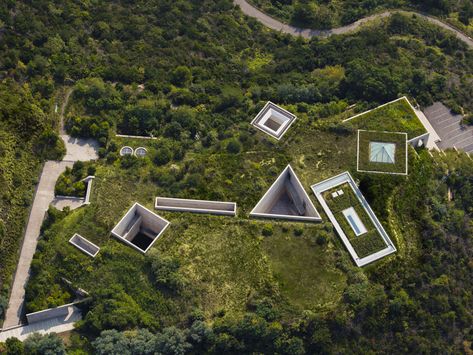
x=381, y=152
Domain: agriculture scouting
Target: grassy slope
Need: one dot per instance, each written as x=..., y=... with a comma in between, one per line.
x=395, y=117
x=366, y=137
x=19, y=170
x=226, y=260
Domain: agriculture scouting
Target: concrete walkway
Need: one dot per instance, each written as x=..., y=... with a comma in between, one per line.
x=277, y=25
x=77, y=149
x=43, y=197
x=54, y=325
x=72, y=202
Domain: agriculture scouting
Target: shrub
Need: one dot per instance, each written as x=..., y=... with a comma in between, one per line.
x=181, y=76
x=37, y=344
x=233, y=146
x=165, y=270
x=3, y=304
x=50, y=146
x=267, y=230
x=321, y=239
x=14, y=346
x=163, y=156
x=468, y=119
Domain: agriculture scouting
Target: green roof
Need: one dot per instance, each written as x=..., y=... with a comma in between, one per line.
x=397, y=116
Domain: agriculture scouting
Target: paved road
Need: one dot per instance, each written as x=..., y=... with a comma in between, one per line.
x=449, y=129
x=77, y=149
x=277, y=25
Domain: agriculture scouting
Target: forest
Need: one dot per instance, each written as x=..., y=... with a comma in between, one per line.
x=193, y=74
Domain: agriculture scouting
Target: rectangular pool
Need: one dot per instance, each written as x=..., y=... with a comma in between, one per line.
x=354, y=221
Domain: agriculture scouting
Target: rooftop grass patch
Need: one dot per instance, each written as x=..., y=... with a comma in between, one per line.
x=304, y=269
x=382, y=152
x=223, y=260
x=365, y=244
x=396, y=116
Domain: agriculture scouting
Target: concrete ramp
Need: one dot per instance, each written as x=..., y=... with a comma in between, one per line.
x=286, y=199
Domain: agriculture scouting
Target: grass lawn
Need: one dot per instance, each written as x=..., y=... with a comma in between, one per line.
x=365, y=244
x=397, y=116
x=400, y=154
x=304, y=270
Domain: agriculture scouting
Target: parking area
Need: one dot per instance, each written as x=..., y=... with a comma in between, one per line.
x=449, y=128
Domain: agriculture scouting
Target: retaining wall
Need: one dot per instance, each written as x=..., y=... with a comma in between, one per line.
x=196, y=206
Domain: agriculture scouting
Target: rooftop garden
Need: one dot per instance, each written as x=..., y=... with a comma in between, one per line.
x=193, y=74
x=219, y=263
x=398, y=166
x=397, y=116
x=365, y=244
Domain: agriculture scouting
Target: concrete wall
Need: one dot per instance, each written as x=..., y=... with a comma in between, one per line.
x=274, y=193
x=49, y=313
x=120, y=229
x=128, y=227
x=152, y=221
x=196, y=206
x=425, y=139
x=133, y=228
x=271, y=196
x=84, y=245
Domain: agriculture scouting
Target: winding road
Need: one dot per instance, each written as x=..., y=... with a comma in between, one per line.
x=277, y=25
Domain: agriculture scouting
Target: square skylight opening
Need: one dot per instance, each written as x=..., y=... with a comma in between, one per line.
x=273, y=120
x=382, y=152
x=140, y=228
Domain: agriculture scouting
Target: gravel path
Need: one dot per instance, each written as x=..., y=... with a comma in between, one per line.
x=277, y=25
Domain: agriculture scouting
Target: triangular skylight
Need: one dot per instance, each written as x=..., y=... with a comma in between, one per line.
x=381, y=152
x=286, y=199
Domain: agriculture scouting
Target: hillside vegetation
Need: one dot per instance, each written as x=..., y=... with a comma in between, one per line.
x=26, y=138
x=193, y=74
x=319, y=14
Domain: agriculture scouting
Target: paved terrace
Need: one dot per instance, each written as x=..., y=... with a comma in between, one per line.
x=58, y=324
x=449, y=129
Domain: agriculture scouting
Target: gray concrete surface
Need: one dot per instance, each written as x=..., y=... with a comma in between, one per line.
x=60, y=202
x=277, y=25
x=80, y=149
x=43, y=197
x=449, y=128
x=286, y=199
x=58, y=325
